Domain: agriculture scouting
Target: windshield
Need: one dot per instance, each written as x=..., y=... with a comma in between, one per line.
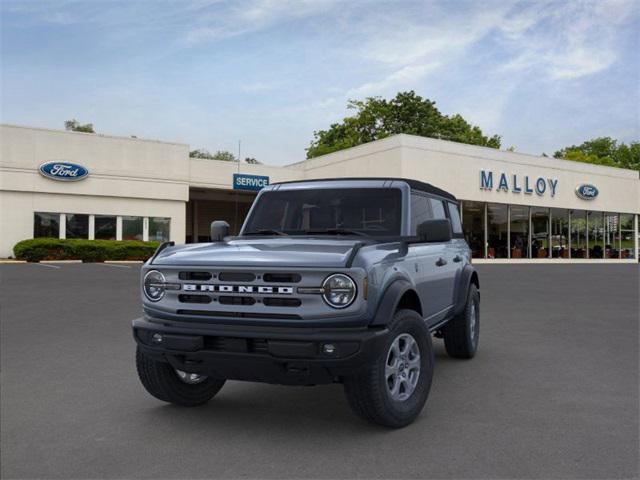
x=349, y=211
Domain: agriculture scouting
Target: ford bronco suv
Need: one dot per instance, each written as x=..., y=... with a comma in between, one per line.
x=340, y=280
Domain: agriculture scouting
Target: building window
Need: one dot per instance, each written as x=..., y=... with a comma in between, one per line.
x=454, y=214
x=105, y=227
x=519, y=231
x=559, y=233
x=46, y=225
x=497, y=227
x=473, y=226
x=611, y=235
x=596, y=234
x=539, y=232
x=626, y=236
x=159, y=228
x=132, y=228
x=77, y=226
x=578, y=234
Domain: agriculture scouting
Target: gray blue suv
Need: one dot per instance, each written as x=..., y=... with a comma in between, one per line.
x=329, y=281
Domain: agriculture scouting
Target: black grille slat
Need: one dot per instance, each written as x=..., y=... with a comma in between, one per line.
x=282, y=277
x=228, y=300
x=282, y=302
x=236, y=277
x=194, y=298
x=197, y=276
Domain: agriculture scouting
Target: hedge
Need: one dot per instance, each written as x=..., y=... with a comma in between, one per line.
x=37, y=249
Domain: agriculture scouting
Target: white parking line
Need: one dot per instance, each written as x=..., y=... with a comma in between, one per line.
x=113, y=265
x=46, y=265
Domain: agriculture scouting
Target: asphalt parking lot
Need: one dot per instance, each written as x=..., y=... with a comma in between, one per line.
x=552, y=393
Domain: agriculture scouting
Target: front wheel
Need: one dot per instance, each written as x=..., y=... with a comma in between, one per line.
x=393, y=390
x=175, y=386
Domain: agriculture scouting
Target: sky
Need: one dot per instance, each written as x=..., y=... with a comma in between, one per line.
x=542, y=74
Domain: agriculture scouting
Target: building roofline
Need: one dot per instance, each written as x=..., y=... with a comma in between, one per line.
x=102, y=135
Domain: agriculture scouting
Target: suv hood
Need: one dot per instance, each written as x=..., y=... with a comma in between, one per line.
x=278, y=252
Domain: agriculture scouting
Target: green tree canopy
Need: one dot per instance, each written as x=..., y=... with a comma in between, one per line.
x=604, y=151
x=219, y=155
x=377, y=118
x=75, y=126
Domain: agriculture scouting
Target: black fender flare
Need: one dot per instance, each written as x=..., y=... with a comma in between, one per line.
x=389, y=302
x=466, y=277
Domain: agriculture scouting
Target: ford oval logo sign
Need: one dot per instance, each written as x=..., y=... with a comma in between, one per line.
x=64, y=171
x=586, y=191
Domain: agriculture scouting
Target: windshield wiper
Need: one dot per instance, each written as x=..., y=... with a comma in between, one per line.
x=267, y=231
x=337, y=231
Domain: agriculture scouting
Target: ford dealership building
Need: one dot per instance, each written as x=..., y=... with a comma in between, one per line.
x=515, y=207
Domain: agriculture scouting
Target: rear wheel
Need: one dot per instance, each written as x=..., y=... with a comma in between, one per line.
x=175, y=386
x=393, y=390
x=461, y=334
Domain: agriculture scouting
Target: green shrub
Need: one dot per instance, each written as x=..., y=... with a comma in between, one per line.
x=37, y=249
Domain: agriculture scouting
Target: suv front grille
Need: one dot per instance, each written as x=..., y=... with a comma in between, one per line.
x=220, y=314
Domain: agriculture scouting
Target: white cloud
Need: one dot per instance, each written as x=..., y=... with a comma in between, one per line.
x=405, y=77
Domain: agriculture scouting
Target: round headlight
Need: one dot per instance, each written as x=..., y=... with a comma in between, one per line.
x=339, y=290
x=154, y=285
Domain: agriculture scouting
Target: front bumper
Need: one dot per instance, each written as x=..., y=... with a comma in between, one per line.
x=282, y=355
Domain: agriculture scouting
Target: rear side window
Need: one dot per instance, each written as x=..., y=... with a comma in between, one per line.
x=454, y=214
x=437, y=209
x=420, y=211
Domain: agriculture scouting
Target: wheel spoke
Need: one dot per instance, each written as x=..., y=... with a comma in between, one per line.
x=402, y=367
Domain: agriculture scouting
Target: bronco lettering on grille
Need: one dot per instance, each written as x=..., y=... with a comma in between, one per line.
x=191, y=287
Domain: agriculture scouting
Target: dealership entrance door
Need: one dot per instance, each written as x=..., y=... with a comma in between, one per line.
x=206, y=205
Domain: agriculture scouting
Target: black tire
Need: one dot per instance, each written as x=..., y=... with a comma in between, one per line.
x=460, y=339
x=368, y=393
x=162, y=381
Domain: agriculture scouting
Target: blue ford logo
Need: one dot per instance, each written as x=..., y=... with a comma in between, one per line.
x=586, y=191
x=64, y=171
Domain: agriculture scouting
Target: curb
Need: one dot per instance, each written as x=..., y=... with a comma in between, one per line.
x=60, y=261
x=137, y=262
x=9, y=261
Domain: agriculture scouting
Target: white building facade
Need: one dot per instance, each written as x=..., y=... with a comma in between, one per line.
x=515, y=207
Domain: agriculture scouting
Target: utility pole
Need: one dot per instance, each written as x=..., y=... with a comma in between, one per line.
x=236, y=228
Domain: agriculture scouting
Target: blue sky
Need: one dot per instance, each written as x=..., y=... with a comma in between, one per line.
x=542, y=74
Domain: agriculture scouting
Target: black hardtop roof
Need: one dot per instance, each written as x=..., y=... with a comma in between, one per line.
x=414, y=184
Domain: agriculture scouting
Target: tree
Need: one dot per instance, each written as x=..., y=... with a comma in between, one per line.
x=252, y=161
x=219, y=155
x=75, y=126
x=377, y=118
x=604, y=151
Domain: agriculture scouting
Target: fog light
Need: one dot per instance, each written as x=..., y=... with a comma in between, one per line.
x=156, y=338
x=329, y=348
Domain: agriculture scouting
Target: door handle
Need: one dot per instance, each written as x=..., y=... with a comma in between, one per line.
x=457, y=258
x=441, y=262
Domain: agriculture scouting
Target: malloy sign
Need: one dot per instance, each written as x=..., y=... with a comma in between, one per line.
x=514, y=183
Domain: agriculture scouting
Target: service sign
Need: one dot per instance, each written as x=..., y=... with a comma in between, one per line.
x=253, y=183
x=586, y=191
x=63, y=171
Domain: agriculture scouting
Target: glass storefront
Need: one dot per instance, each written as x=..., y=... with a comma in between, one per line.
x=497, y=230
x=517, y=231
x=473, y=225
x=105, y=227
x=132, y=228
x=559, y=233
x=578, y=234
x=159, y=229
x=539, y=232
x=626, y=236
x=595, y=230
x=77, y=226
x=46, y=225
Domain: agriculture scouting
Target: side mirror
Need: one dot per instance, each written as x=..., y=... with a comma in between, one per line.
x=219, y=230
x=435, y=230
